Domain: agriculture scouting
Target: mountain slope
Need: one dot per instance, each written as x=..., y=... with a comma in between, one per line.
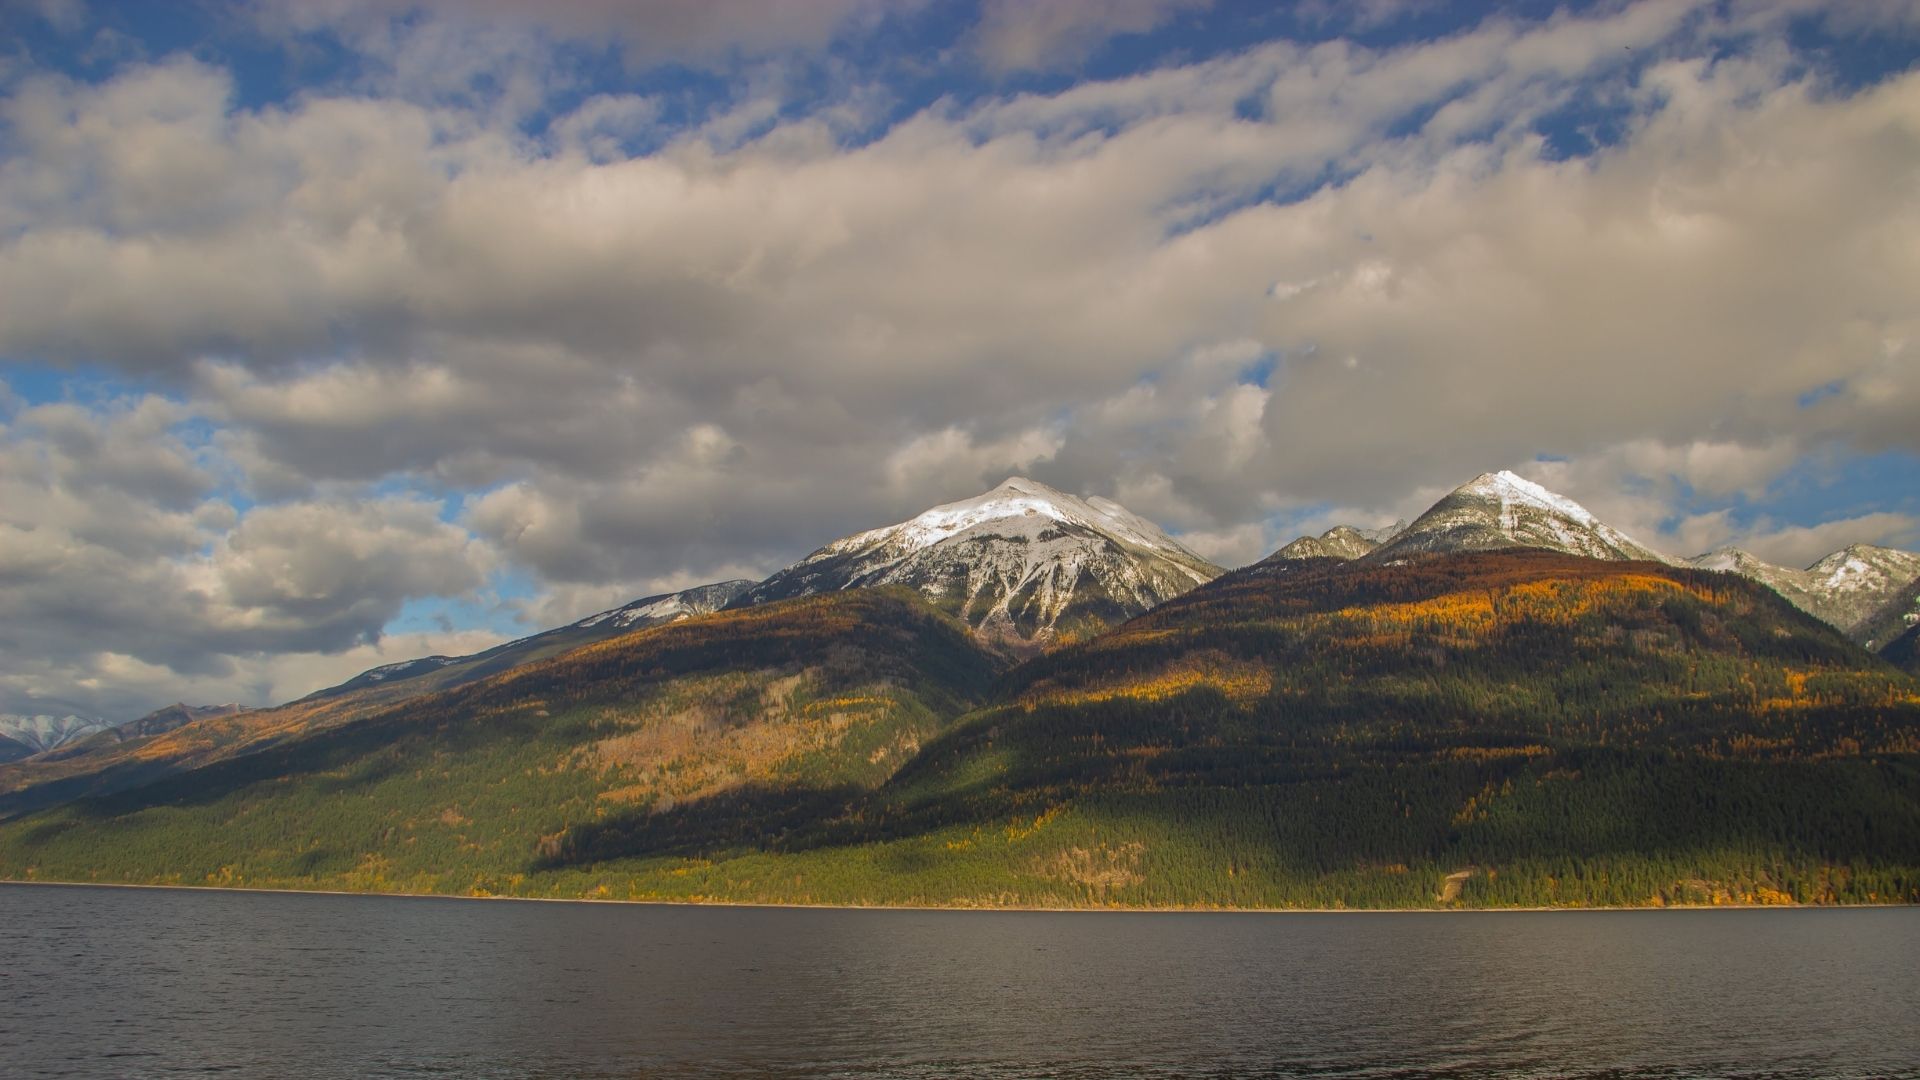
x=1903, y=652
x=110, y=762
x=13, y=750
x=1500, y=510
x=760, y=716
x=1023, y=564
x=1867, y=592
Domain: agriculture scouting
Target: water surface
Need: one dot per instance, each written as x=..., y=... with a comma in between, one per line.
x=111, y=982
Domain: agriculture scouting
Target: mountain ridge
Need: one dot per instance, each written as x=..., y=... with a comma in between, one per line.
x=1869, y=592
x=443, y=671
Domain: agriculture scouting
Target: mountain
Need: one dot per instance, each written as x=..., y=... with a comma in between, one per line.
x=1794, y=585
x=1318, y=733
x=1024, y=565
x=1500, y=510
x=173, y=716
x=109, y=763
x=49, y=739
x=45, y=732
x=1356, y=733
x=1872, y=594
x=158, y=722
x=760, y=717
x=1339, y=542
x=391, y=682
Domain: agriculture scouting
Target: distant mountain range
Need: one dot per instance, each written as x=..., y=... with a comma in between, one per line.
x=1872, y=594
x=1029, y=567
x=1034, y=698
x=54, y=738
x=23, y=736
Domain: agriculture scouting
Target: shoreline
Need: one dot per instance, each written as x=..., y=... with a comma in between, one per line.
x=951, y=907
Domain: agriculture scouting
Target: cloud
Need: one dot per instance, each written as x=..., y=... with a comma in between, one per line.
x=328, y=573
x=950, y=459
x=1026, y=35
x=120, y=687
x=657, y=31
x=1803, y=545
x=120, y=554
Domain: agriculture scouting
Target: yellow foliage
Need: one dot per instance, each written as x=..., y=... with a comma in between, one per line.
x=1496, y=753
x=1016, y=832
x=1238, y=680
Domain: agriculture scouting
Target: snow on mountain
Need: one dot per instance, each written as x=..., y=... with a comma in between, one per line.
x=653, y=610
x=1872, y=594
x=1022, y=563
x=1382, y=535
x=1497, y=510
x=1339, y=542
x=45, y=732
x=157, y=722
x=408, y=677
x=1795, y=585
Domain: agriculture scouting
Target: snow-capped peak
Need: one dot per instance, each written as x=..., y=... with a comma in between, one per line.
x=1017, y=507
x=1501, y=509
x=1021, y=563
x=1728, y=559
x=1511, y=489
x=1858, y=567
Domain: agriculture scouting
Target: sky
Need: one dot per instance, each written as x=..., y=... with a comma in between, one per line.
x=339, y=332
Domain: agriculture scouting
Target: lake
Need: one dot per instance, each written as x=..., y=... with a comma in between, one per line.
x=135, y=982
